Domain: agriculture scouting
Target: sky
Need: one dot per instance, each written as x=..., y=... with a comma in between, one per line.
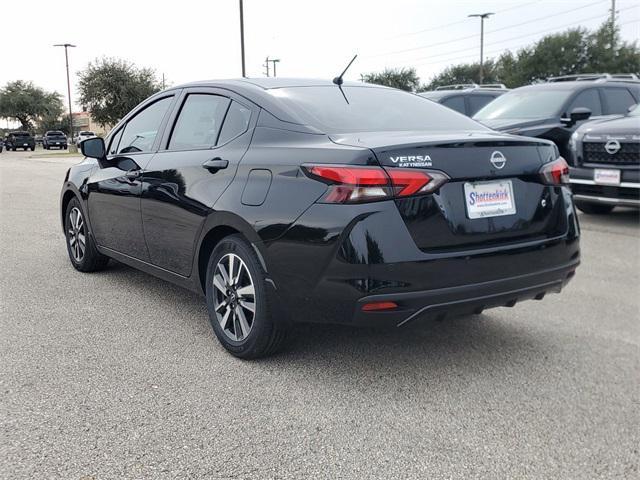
x=197, y=40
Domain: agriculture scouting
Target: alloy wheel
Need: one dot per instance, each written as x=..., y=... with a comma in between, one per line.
x=76, y=234
x=234, y=297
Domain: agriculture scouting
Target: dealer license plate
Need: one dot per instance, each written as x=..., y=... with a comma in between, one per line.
x=489, y=199
x=606, y=177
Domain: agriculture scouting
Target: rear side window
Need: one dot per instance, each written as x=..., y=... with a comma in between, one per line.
x=476, y=102
x=617, y=100
x=199, y=122
x=587, y=99
x=141, y=131
x=235, y=123
x=455, y=103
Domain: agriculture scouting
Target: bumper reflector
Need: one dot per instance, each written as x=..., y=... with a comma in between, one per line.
x=377, y=306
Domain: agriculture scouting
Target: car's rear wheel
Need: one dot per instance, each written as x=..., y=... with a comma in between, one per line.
x=594, y=208
x=240, y=302
x=82, y=250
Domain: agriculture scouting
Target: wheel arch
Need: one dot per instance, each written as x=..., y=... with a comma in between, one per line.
x=218, y=226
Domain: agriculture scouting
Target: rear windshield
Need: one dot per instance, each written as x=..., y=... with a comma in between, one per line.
x=86, y=133
x=21, y=134
x=369, y=109
x=54, y=133
x=533, y=103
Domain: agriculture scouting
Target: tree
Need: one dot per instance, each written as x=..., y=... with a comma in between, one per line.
x=110, y=88
x=402, y=78
x=28, y=104
x=463, y=73
x=574, y=51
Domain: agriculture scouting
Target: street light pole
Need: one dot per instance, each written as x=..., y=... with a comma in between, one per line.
x=66, y=58
x=274, y=61
x=242, y=38
x=482, y=16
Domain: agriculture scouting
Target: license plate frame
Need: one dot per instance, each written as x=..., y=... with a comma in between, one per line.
x=607, y=176
x=498, y=201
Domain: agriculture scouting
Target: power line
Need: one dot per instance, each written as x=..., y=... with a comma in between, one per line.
x=475, y=35
x=500, y=50
x=440, y=27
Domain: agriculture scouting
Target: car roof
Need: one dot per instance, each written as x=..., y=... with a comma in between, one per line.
x=579, y=85
x=438, y=94
x=257, y=91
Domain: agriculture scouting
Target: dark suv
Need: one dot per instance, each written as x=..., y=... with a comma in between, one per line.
x=605, y=159
x=466, y=98
x=24, y=140
x=553, y=110
x=54, y=138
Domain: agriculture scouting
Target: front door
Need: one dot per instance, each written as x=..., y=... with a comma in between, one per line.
x=197, y=160
x=114, y=191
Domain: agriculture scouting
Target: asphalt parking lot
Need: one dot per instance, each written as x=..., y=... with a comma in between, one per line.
x=118, y=374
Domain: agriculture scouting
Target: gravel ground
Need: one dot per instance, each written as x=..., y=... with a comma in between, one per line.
x=118, y=374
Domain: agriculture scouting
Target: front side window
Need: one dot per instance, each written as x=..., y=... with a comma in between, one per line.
x=618, y=100
x=587, y=99
x=140, y=132
x=235, y=123
x=115, y=141
x=199, y=122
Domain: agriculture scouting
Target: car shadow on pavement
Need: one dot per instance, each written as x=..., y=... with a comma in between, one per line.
x=478, y=341
x=620, y=217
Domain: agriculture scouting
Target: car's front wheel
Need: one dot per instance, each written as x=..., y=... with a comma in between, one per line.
x=82, y=250
x=594, y=208
x=241, y=304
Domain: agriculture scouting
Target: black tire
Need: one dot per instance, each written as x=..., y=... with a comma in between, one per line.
x=268, y=330
x=91, y=260
x=33, y=149
x=594, y=208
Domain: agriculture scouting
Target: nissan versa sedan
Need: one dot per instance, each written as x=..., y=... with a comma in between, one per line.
x=284, y=200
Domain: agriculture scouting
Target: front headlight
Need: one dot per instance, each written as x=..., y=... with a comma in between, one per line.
x=573, y=141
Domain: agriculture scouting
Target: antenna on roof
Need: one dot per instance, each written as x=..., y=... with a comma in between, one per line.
x=338, y=80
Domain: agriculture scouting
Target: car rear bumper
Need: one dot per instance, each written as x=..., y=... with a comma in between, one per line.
x=465, y=299
x=585, y=189
x=326, y=273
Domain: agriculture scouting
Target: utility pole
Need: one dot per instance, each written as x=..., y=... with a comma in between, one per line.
x=613, y=24
x=66, y=58
x=481, y=16
x=242, y=38
x=266, y=65
x=274, y=61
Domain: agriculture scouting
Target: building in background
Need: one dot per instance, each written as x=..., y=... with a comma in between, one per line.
x=83, y=121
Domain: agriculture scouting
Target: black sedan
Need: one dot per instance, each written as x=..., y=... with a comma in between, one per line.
x=305, y=201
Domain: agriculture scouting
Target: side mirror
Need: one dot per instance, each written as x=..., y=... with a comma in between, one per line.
x=94, y=148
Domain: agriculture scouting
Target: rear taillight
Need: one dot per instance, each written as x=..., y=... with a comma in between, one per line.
x=352, y=184
x=555, y=173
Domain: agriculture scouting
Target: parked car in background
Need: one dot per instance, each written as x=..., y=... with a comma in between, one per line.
x=555, y=109
x=466, y=98
x=54, y=139
x=316, y=201
x=83, y=136
x=605, y=163
x=21, y=139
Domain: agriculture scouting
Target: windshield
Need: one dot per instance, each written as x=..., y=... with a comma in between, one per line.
x=370, y=109
x=530, y=103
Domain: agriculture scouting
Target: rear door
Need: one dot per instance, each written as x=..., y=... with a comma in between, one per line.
x=198, y=159
x=114, y=191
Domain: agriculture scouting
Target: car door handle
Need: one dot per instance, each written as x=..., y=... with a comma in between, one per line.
x=215, y=164
x=133, y=174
